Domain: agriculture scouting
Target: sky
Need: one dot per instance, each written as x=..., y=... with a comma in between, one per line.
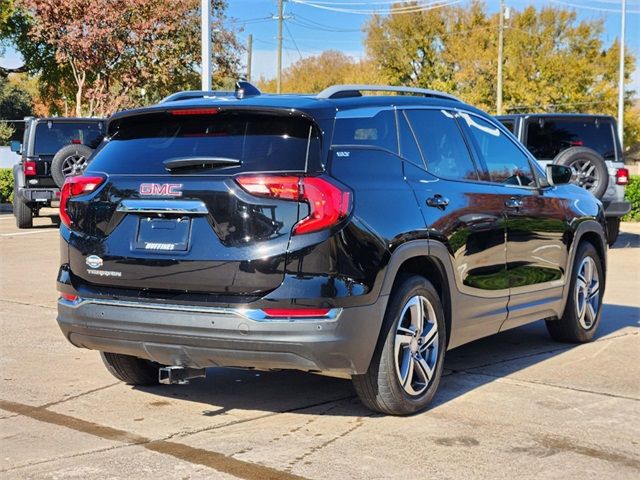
x=309, y=30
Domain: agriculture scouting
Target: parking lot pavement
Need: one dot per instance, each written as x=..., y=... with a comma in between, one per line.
x=516, y=404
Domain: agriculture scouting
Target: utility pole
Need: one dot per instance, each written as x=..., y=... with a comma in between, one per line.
x=500, y=55
x=621, y=79
x=206, y=44
x=279, y=72
x=249, y=56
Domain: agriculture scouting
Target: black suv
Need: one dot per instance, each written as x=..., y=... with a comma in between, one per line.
x=52, y=149
x=351, y=235
x=587, y=143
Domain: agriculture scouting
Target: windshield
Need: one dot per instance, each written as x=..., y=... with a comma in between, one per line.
x=52, y=136
x=261, y=142
x=547, y=137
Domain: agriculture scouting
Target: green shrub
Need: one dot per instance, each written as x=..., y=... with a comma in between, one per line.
x=632, y=193
x=6, y=185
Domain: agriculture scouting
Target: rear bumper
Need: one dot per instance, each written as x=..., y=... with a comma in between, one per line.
x=202, y=337
x=43, y=195
x=616, y=209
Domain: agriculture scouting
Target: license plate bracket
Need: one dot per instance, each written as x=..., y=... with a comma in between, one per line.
x=156, y=234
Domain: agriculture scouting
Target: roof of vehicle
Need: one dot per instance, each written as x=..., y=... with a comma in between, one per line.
x=316, y=106
x=64, y=119
x=565, y=115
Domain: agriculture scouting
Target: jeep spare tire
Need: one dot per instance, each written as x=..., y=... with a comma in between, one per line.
x=69, y=162
x=590, y=169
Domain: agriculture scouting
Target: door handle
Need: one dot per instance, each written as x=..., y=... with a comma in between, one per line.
x=513, y=203
x=438, y=201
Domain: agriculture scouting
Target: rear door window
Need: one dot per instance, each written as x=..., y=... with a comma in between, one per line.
x=52, y=136
x=442, y=144
x=547, y=137
x=509, y=124
x=366, y=127
x=262, y=142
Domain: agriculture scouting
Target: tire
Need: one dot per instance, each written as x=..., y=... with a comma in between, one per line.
x=131, y=370
x=591, y=170
x=613, y=230
x=573, y=326
x=69, y=161
x=381, y=388
x=22, y=211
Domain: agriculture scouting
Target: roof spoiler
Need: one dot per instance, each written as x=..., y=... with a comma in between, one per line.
x=243, y=89
x=355, y=90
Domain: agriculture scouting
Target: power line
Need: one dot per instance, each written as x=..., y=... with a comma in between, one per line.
x=587, y=7
x=412, y=8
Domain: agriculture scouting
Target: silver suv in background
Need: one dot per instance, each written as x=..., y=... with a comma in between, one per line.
x=589, y=144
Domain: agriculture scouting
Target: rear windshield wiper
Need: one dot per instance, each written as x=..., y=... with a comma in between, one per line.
x=200, y=162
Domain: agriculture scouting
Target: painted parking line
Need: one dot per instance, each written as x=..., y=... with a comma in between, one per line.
x=51, y=230
x=214, y=460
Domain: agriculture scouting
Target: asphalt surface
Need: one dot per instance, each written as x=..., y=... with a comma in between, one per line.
x=513, y=405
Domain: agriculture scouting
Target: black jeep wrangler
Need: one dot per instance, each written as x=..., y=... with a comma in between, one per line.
x=52, y=149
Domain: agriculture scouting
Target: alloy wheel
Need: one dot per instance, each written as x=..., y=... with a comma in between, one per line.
x=74, y=165
x=586, y=174
x=587, y=293
x=416, y=345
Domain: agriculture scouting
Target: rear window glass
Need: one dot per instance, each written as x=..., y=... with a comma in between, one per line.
x=262, y=142
x=360, y=127
x=52, y=136
x=547, y=137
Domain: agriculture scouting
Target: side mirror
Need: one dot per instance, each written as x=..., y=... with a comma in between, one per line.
x=16, y=146
x=559, y=174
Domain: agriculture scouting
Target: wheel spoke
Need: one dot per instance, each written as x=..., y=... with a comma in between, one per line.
x=417, y=314
x=424, y=370
x=406, y=370
x=401, y=341
x=590, y=314
x=430, y=337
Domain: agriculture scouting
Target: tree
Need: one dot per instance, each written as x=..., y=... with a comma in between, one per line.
x=104, y=54
x=552, y=61
x=313, y=74
x=15, y=103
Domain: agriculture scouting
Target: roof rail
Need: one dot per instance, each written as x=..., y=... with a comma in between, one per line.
x=243, y=89
x=345, y=91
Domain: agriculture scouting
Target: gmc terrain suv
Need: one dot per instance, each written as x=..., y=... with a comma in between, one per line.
x=587, y=143
x=52, y=149
x=350, y=235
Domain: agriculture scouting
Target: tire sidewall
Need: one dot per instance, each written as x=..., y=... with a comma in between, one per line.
x=62, y=155
x=571, y=155
x=412, y=286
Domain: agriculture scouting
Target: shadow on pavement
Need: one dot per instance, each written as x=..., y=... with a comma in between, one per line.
x=627, y=240
x=228, y=389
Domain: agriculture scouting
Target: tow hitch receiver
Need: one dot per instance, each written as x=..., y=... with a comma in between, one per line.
x=179, y=375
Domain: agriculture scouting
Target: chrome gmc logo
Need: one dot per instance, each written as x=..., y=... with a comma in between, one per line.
x=161, y=189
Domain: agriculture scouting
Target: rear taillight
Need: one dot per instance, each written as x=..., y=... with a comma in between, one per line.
x=622, y=176
x=296, y=312
x=328, y=203
x=69, y=297
x=29, y=168
x=74, y=187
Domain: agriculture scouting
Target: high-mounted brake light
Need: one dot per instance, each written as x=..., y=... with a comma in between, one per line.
x=29, y=168
x=74, y=187
x=622, y=176
x=296, y=312
x=195, y=111
x=328, y=203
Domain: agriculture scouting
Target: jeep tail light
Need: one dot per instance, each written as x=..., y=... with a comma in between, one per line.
x=296, y=312
x=328, y=203
x=74, y=187
x=622, y=176
x=29, y=168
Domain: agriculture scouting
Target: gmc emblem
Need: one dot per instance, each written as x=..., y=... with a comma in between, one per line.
x=161, y=189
